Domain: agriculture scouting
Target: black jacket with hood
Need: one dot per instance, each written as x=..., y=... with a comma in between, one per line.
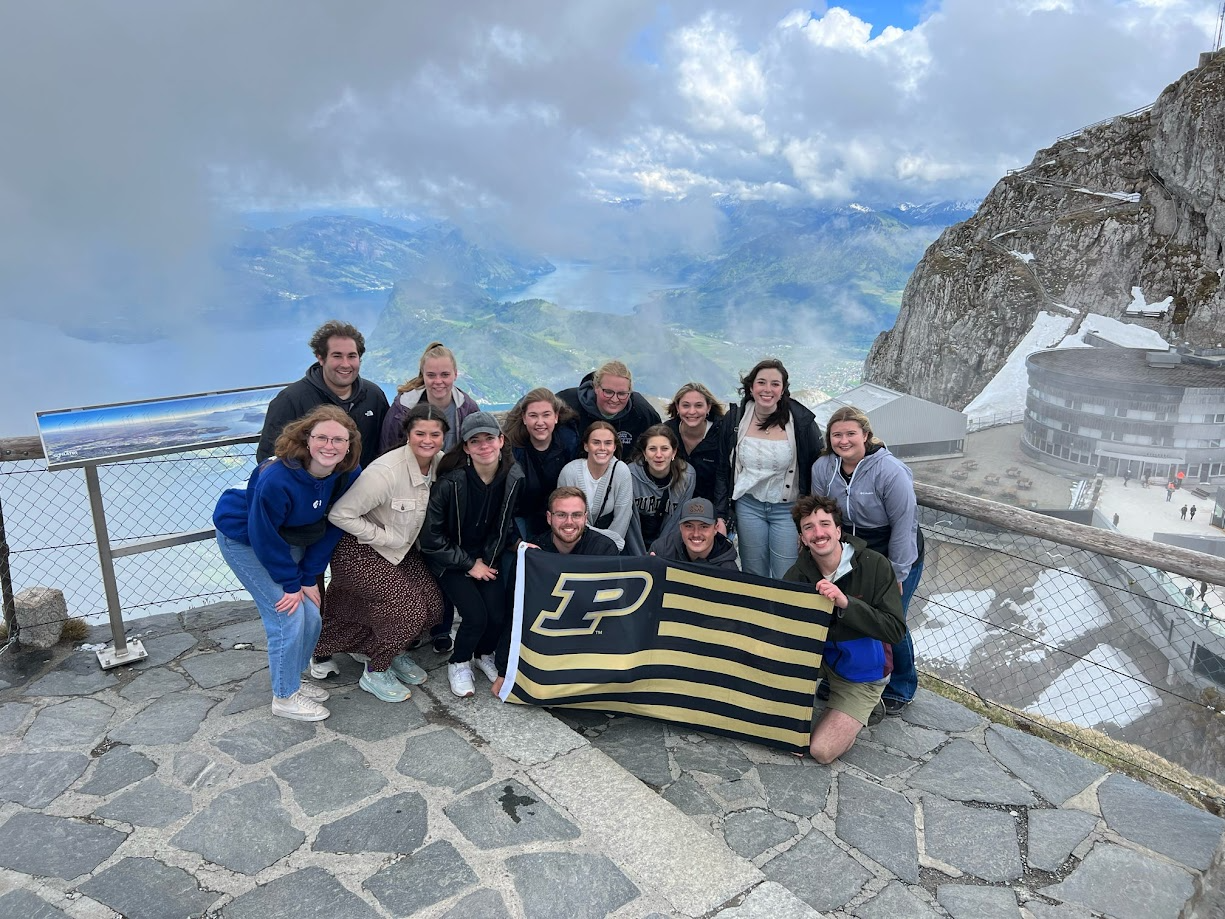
x=366, y=406
x=630, y=422
x=444, y=520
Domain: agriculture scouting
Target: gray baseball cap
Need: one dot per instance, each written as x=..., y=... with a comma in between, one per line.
x=478, y=423
x=698, y=509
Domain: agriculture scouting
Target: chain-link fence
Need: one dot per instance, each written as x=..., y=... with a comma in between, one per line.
x=1072, y=640
x=51, y=535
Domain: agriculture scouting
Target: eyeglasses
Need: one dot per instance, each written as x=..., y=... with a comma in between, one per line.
x=613, y=394
x=334, y=441
x=577, y=515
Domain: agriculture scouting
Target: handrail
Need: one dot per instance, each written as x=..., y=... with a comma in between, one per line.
x=1187, y=562
x=1097, y=124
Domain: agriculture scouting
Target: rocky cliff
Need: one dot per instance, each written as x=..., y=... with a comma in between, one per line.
x=1133, y=202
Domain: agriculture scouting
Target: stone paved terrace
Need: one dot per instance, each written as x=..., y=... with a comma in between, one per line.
x=167, y=789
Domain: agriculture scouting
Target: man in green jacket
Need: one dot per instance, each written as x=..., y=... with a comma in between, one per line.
x=867, y=621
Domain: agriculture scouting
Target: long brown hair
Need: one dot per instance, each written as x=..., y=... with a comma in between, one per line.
x=782, y=413
x=676, y=471
x=293, y=444
x=432, y=350
x=513, y=426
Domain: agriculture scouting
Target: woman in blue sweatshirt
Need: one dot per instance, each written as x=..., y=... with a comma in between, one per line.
x=276, y=537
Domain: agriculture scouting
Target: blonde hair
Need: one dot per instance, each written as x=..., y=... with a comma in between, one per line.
x=716, y=407
x=857, y=415
x=612, y=369
x=434, y=349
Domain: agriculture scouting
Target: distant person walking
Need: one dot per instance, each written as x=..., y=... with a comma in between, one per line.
x=1192, y=511
x=1183, y=512
x=1203, y=589
x=1126, y=477
x=1169, y=492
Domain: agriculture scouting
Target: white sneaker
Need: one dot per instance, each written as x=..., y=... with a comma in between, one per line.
x=486, y=665
x=320, y=670
x=299, y=708
x=460, y=677
x=313, y=692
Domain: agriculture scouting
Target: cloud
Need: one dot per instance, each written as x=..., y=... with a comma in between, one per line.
x=135, y=131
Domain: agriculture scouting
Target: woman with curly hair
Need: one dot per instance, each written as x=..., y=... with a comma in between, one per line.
x=275, y=536
x=542, y=439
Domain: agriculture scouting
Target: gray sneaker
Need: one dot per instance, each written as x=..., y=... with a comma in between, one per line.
x=383, y=685
x=407, y=671
x=299, y=708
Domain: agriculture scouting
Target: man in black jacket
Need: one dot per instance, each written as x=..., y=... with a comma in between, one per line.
x=608, y=395
x=332, y=380
x=696, y=539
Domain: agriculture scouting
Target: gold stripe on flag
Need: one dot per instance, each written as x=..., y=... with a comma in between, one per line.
x=737, y=613
x=614, y=663
x=754, y=646
x=797, y=599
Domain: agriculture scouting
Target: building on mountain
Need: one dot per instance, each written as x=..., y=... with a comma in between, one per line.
x=1123, y=411
x=911, y=427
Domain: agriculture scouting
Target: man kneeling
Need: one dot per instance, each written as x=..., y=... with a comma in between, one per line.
x=696, y=539
x=867, y=621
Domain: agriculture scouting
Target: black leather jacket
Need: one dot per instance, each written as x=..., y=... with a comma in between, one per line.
x=439, y=538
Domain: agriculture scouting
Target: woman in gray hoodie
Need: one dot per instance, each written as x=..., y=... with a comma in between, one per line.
x=662, y=483
x=875, y=492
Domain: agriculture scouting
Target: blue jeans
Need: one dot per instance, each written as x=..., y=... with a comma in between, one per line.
x=291, y=636
x=904, y=680
x=766, y=537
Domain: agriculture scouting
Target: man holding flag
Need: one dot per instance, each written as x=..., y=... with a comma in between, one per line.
x=867, y=621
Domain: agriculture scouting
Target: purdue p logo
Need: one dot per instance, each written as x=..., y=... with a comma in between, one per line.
x=588, y=598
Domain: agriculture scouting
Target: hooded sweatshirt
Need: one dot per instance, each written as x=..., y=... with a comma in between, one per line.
x=366, y=405
x=672, y=546
x=637, y=415
x=656, y=507
x=878, y=504
x=393, y=424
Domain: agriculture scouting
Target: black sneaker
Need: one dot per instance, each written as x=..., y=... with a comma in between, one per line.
x=444, y=643
x=893, y=705
x=823, y=691
x=878, y=714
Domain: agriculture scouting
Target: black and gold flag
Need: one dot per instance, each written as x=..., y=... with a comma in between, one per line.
x=720, y=651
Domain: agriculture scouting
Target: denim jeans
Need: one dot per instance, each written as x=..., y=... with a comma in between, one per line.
x=291, y=636
x=904, y=680
x=766, y=537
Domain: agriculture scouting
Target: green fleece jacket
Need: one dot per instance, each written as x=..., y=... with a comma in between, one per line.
x=858, y=646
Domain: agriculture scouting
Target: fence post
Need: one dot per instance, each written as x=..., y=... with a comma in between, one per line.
x=6, y=581
x=122, y=652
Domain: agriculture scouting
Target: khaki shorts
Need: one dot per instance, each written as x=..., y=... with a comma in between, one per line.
x=854, y=699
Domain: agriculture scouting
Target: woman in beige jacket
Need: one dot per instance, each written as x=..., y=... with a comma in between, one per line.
x=382, y=596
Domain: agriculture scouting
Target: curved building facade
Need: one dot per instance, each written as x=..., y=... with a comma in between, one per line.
x=1115, y=411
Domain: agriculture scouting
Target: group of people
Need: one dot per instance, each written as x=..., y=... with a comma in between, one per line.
x=419, y=505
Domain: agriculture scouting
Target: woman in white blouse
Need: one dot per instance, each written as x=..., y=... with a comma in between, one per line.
x=771, y=443
x=382, y=596
x=606, y=482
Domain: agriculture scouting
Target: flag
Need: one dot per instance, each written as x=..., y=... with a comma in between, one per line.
x=715, y=650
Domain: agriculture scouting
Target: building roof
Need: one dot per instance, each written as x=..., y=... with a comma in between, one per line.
x=1126, y=365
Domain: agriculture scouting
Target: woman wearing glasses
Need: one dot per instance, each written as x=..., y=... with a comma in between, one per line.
x=771, y=444
x=275, y=536
x=608, y=395
x=382, y=596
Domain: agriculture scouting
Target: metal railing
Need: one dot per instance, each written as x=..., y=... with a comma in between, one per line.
x=1069, y=626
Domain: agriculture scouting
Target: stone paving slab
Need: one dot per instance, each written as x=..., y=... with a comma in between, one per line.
x=389, y=810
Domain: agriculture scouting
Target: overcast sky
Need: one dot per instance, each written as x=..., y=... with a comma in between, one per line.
x=134, y=130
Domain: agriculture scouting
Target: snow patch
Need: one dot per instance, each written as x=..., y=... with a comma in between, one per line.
x=1025, y=257
x=1132, y=196
x=1140, y=306
x=1091, y=692
x=1123, y=334
x=954, y=627
x=1063, y=608
x=1005, y=394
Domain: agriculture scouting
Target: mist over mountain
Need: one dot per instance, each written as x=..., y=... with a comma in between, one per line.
x=812, y=285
